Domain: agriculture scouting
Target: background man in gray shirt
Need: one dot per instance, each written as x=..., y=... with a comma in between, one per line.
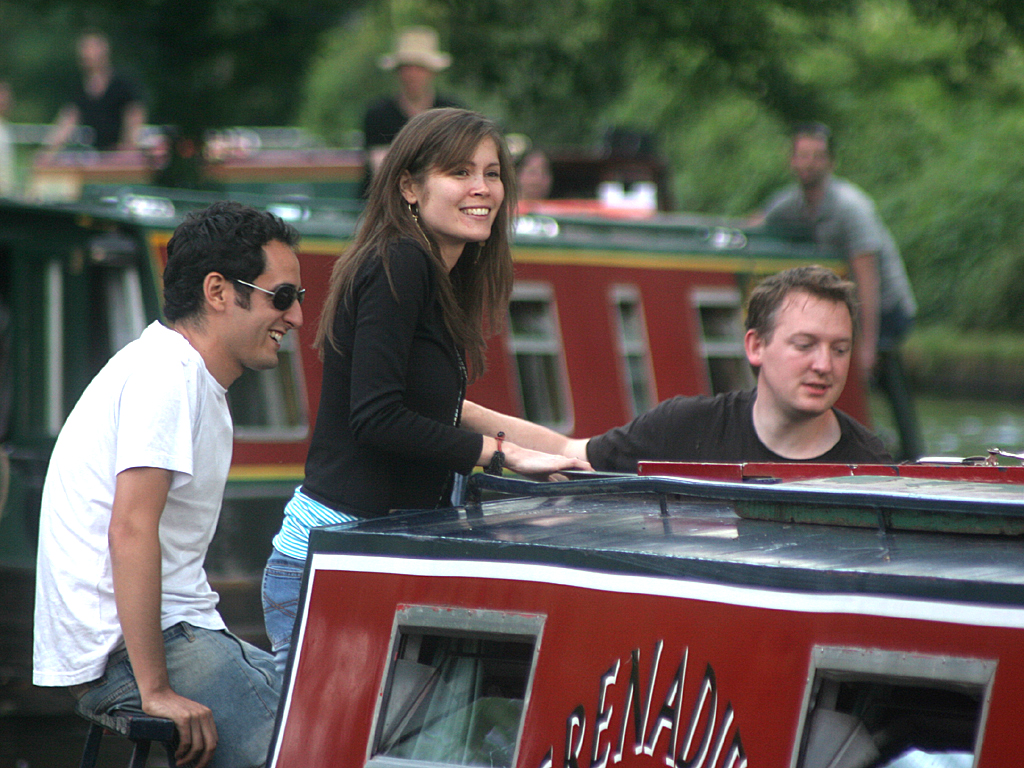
x=839, y=217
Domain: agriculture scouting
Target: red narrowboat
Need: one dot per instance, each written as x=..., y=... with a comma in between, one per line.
x=718, y=622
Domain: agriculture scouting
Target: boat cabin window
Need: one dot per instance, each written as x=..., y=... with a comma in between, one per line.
x=633, y=348
x=86, y=320
x=456, y=687
x=112, y=302
x=125, y=313
x=535, y=344
x=33, y=381
x=720, y=320
x=271, y=404
x=54, y=348
x=6, y=364
x=883, y=709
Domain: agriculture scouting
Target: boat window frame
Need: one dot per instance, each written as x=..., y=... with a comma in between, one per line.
x=126, y=312
x=552, y=346
x=721, y=348
x=281, y=389
x=633, y=349
x=913, y=668
x=54, y=277
x=472, y=623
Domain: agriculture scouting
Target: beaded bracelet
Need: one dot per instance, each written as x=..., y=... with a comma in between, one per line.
x=497, y=458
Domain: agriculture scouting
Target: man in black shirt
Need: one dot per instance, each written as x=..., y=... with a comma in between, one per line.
x=800, y=331
x=103, y=100
x=416, y=60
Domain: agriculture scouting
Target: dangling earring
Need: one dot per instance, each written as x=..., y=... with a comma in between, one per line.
x=416, y=218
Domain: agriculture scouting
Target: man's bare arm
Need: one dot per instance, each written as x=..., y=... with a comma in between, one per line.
x=134, y=538
x=865, y=274
x=63, y=127
x=132, y=120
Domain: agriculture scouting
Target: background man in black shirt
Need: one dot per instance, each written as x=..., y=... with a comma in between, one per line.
x=416, y=60
x=800, y=331
x=103, y=100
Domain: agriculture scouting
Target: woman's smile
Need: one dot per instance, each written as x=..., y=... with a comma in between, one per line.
x=459, y=205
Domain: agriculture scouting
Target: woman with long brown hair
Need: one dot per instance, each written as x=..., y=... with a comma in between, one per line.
x=402, y=334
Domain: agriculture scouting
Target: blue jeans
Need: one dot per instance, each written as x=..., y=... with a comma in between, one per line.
x=282, y=583
x=236, y=680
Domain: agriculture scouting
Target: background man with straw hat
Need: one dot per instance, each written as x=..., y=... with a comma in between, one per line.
x=417, y=60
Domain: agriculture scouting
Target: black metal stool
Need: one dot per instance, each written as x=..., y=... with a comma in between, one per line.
x=136, y=726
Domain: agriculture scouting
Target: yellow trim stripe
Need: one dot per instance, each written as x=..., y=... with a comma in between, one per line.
x=267, y=472
x=325, y=245
x=677, y=261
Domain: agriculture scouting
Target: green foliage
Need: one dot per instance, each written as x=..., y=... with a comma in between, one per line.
x=536, y=67
x=931, y=134
x=344, y=77
x=228, y=62
x=35, y=55
x=546, y=69
x=725, y=150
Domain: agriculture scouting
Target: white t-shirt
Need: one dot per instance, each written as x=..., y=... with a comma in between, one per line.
x=154, y=404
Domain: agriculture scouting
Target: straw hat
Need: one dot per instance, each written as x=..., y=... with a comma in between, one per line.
x=416, y=45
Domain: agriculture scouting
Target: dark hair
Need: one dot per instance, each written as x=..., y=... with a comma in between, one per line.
x=92, y=32
x=477, y=289
x=767, y=298
x=530, y=154
x=226, y=238
x=817, y=131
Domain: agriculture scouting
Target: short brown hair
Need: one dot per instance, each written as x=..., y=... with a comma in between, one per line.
x=816, y=131
x=769, y=295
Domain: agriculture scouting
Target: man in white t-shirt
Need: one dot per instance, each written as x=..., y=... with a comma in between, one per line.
x=124, y=615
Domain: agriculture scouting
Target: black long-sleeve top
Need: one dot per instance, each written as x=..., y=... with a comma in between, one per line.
x=386, y=434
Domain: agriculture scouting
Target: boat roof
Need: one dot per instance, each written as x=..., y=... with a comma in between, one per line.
x=704, y=530
x=662, y=235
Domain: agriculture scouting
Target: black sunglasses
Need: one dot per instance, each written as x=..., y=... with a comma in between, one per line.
x=283, y=296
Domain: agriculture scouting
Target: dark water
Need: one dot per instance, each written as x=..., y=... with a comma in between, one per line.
x=960, y=427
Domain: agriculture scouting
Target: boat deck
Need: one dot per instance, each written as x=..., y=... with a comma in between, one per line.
x=800, y=636
x=657, y=526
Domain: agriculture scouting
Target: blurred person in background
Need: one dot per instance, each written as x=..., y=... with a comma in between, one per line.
x=535, y=176
x=838, y=216
x=103, y=100
x=416, y=61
